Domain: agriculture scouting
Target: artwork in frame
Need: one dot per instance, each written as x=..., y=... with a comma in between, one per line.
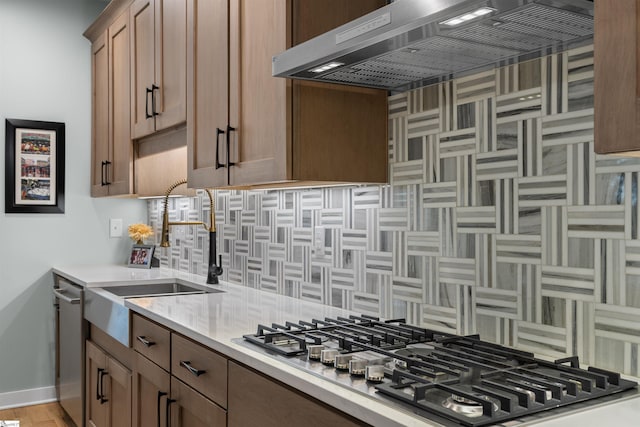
x=34, y=166
x=141, y=256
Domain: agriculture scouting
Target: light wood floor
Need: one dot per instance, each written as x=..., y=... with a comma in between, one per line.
x=45, y=415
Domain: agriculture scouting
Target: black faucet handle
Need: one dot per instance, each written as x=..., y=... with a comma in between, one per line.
x=214, y=271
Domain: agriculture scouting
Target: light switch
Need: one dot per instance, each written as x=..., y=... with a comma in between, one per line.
x=115, y=227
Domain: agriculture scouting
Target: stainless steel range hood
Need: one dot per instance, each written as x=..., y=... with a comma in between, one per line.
x=414, y=43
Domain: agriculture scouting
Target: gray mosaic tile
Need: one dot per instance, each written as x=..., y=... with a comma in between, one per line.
x=499, y=219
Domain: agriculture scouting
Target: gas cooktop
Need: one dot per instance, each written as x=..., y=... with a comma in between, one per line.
x=439, y=376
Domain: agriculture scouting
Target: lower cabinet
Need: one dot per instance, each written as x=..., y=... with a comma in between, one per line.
x=151, y=387
x=168, y=380
x=256, y=400
x=191, y=409
x=108, y=399
x=163, y=398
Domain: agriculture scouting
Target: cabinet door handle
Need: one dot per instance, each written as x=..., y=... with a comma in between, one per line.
x=186, y=364
x=146, y=104
x=102, y=168
x=101, y=375
x=98, y=379
x=154, y=112
x=106, y=174
x=160, y=394
x=229, y=162
x=167, y=413
x=99, y=386
x=218, y=164
x=145, y=341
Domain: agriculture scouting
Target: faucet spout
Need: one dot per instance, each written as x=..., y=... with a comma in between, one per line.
x=213, y=269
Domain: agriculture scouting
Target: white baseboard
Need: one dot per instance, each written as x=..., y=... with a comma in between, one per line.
x=34, y=396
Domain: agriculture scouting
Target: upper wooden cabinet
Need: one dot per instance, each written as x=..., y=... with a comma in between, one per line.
x=112, y=151
x=245, y=127
x=207, y=90
x=617, y=76
x=158, y=65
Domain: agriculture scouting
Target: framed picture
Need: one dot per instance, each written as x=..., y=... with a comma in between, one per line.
x=141, y=256
x=34, y=166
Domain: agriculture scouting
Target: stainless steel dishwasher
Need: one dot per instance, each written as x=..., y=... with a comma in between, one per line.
x=71, y=331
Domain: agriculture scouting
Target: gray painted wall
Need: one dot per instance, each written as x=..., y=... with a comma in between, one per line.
x=45, y=74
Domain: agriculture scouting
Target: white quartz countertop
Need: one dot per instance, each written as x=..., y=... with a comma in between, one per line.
x=218, y=321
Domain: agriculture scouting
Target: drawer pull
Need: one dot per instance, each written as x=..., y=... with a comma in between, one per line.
x=145, y=341
x=186, y=364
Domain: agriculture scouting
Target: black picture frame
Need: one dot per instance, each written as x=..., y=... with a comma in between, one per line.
x=141, y=256
x=34, y=166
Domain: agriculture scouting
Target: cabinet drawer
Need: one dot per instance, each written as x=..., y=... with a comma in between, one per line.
x=151, y=340
x=199, y=367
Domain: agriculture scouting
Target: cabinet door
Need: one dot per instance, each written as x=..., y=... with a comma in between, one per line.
x=95, y=370
x=291, y=130
x=120, y=171
x=259, y=103
x=274, y=405
x=617, y=77
x=207, y=90
x=142, y=67
x=339, y=132
x=150, y=393
x=118, y=393
x=100, y=115
x=191, y=409
x=171, y=63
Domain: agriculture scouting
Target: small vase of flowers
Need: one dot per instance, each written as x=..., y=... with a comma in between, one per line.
x=139, y=232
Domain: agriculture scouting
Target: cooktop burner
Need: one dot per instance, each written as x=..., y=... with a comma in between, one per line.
x=458, y=378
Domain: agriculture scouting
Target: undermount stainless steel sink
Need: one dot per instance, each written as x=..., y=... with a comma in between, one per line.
x=156, y=289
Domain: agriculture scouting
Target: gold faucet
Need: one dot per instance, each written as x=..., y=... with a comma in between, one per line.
x=214, y=270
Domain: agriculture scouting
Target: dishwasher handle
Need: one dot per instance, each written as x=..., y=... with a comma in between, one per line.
x=58, y=294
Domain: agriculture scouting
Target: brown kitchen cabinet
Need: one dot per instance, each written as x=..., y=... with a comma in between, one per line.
x=112, y=150
x=274, y=405
x=151, y=387
x=617, y=77
x=191, y=409
x=203, y=388
x=190, y=392
x=158, y=65
x=273, y=130
x=108, y=389
x=200, y=368
x=151, y=340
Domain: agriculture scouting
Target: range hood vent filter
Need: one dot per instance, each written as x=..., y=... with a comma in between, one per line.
x=430, y=53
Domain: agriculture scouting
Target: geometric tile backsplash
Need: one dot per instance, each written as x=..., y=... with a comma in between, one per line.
x=499, y=219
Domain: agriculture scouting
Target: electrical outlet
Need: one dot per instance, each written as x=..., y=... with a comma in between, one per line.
x=115, y=227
